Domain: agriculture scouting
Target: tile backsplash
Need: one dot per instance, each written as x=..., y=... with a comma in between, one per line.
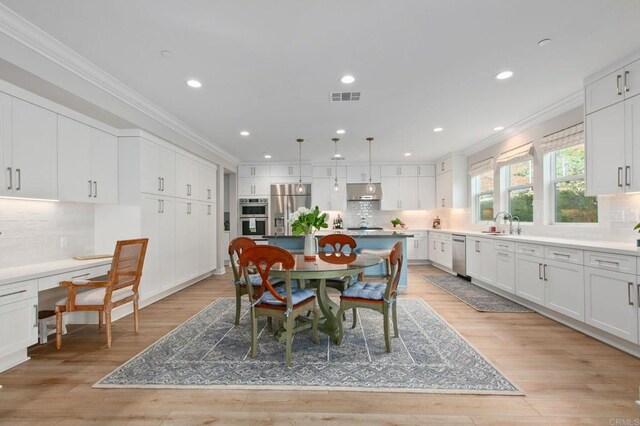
x=370, y=210
x=34, y=231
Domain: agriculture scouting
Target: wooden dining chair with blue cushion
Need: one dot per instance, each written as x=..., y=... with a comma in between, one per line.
x=236, y=247
x=380, y=297
x=338, y=243
x=282, y=303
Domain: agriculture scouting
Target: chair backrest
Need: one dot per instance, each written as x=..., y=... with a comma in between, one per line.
x=337, y=242
x=263, y=258
x=396, y=258
x=236, y=247
x=126, y=267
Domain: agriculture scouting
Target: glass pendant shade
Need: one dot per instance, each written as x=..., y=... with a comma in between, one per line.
x=300, y=188
x=336, y=186
x=370, y=188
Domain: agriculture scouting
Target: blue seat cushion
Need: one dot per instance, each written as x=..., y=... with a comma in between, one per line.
x=256, y=280
x=368, y=291
x=297, y=296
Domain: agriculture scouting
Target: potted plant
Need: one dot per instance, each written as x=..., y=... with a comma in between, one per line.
x=637, y=228
x=397, y=221
x=307, y=222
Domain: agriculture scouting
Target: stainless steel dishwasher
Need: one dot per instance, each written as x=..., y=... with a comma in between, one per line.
x=460, y=255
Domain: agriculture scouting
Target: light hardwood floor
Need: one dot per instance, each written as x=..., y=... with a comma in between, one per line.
x=568, y=378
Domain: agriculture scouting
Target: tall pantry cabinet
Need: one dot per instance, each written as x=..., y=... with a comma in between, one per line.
x=168, y=196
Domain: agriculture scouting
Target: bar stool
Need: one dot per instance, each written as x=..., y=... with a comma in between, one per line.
x=384, y=254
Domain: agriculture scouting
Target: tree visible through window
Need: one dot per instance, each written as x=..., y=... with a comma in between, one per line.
x=482, y=187
x=570, y=205
x=520, y=190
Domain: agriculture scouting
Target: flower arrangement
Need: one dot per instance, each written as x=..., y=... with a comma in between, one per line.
x=307, y=221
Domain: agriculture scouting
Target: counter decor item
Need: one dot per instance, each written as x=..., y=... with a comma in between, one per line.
x=436, y=223
x=637, y=228
x=397, y=221
x=307, y=222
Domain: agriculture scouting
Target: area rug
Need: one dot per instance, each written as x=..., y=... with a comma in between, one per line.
x=209, y=351
x=478, y=298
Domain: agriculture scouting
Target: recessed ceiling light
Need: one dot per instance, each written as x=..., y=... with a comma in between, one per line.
x=437, y=129
x=347, y=79
x=337, y=155
x=166, y=53
x=544, y=42
x=407, y=154
x=341, y=131
x=194, y=83
x=267, y=156
x=497, y=129
x=245, y=133
x=504, y=75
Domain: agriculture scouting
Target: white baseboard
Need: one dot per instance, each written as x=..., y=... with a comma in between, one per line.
x=11, y=360
x=220, y=271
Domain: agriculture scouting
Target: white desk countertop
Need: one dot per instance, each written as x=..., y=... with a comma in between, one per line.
x=38, y=270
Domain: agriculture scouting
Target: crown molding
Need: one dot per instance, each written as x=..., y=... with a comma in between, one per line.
x=32, y=37
x=565, y=104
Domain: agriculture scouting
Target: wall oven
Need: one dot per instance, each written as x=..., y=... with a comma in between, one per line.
x=253, y=226
x=253, y=207
x=253, y=217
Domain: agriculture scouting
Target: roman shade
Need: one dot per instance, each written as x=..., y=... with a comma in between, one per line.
x=516, y=155
x=481, y=167
x=565, y=138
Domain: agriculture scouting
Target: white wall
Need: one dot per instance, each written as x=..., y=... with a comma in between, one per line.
x=31, y=231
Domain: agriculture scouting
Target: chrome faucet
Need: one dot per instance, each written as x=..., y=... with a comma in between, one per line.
x=518, y=229
x=507, y=216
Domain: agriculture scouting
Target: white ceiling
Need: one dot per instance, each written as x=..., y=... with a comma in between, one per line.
x=268, y=66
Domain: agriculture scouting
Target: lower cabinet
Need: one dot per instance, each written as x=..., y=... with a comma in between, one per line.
x=207, y=238
x=529, y=282
x=18, y=316
x=159, y=225
x=440, y=249
x=612, y=302
x=564, y=288
x=418, y=247
x=187, y=214
x=505, y=271
x=481, y=263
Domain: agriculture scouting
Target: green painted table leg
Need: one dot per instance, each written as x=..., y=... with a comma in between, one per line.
x=329, y=324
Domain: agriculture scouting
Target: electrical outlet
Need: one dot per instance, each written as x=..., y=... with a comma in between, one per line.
x=64, y=242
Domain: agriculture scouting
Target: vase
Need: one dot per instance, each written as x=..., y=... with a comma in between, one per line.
x=310, y=247
x=638, y=242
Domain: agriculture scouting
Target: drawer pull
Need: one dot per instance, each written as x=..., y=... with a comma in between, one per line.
x=83, y=275
x=568, y=256
x=503, y=254
x=14, y=293
x=528, y=250
x=610, y=262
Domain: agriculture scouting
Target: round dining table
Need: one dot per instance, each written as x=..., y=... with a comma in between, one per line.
x=326, y=266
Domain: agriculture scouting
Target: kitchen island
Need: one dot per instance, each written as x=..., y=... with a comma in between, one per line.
x=364, y=239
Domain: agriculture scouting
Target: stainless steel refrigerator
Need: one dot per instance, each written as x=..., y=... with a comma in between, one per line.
x=285, y=199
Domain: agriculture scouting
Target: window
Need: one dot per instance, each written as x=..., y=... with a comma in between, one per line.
x=482, y=193
x=519, y=188
x=569, y=204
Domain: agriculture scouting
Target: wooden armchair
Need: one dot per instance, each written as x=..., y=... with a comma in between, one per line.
x=283, y=304
x=119, y=287
x=381, y=297
x=236, y=248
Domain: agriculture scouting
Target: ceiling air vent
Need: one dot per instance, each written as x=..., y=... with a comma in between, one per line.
x=345, y=96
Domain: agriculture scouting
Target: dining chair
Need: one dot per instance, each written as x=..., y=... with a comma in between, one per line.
x=117, y=288
x=236, y=247
x=380, y=297
x=282, y=303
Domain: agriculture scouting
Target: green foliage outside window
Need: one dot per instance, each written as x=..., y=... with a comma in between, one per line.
x=571, y=205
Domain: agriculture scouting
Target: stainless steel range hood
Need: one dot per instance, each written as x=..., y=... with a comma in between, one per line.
x=358, y=192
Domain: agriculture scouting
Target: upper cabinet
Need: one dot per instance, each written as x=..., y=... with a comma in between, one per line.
x=288, y=170
x=87, y=163
x=253, y=171
x=158, y=166
x=360, y=174
x=329, y=171
x=451, y=182
x=406, y=171
x=612, y=132
x=207, y=182
x=29, y=145
x=186, y=177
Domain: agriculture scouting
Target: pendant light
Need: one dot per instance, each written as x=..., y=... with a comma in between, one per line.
x=336, y=186
x=370, y=188
x=300, y=187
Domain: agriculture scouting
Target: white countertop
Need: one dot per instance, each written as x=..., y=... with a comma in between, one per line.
x=608, y=246
x=38, y=270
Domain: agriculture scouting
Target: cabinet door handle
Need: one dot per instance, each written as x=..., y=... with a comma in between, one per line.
x=618, y=78
x=19, y=176
x=90, y=192
x=35, y=323
x=162, y=205
x=443, y=202
x=476, y=246
x=95, y=189
x=159, y=183
x=162, y=186
x=442, y=247
x=539, y=271
x=626, y=81
x=442, y=166
x=544, y=272
x=10, y=186
x=159, y=206
x=629, y=285
x=620, y=177
x=627, y=175
x=638, y=294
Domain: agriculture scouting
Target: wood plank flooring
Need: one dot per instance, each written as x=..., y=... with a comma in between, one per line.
x=568, y=378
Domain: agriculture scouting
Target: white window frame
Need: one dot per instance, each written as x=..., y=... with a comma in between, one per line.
x=507, y=189
x=476, y=194
x=552, y=181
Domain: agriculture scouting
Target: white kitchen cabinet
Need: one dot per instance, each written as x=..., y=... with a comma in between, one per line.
x=254, y=186
x=206, y=182
x=290, y=170
x=325, y=197
x=505, y=263
x=446, y=253
x=329, y=171
x=481, y=261
x=159, y=225
x=30, y=154
x=444, y=188
x=207, y=238
x=426, y=170
x=632, y=79
x=451, y=182
x=426, y=192
x=18, y=316
x=158, y=169
x=360, y=174
x=632, y=140
x=529, y=281
x=441, y=249
x=399, y=193
x=611, y=302
x=254, y=171
x=564, y=288
x=5, y=145
x=87, y=163
x=186, y=178
x=604, y=92
x=187, y=240
x=407, y=171
x=418, y=247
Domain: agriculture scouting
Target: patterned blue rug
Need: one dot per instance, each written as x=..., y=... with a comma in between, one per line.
x=208, y=351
